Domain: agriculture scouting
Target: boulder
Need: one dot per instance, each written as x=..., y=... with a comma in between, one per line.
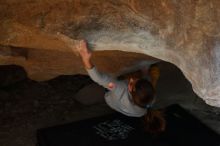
x=90, y=94
x=121, y=33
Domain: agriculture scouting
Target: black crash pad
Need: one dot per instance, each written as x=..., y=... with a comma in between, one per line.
x=115, y=129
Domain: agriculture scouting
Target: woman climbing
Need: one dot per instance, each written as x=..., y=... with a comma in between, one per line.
x=133, y=97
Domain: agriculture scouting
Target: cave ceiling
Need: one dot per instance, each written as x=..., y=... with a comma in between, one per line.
x=121, y=33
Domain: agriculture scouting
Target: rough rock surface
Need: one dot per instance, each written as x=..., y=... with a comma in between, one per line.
x=185, y=33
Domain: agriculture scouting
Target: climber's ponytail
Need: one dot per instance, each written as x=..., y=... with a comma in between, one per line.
x=154, y=121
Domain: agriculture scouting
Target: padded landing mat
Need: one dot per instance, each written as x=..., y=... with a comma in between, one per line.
x=118, y=130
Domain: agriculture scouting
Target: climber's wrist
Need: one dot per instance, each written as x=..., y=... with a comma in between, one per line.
x=88, y=64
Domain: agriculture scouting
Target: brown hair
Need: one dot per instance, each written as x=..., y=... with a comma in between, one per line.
x=144, y=96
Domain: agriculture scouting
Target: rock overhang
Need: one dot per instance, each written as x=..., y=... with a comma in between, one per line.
x=185, y=33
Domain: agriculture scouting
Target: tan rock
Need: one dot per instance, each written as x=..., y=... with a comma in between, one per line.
x=185, y=33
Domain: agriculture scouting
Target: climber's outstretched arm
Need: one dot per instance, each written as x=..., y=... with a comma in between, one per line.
x=101, y=78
